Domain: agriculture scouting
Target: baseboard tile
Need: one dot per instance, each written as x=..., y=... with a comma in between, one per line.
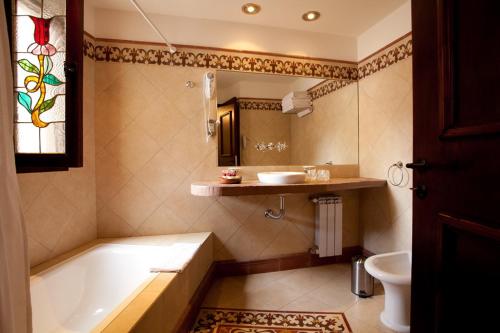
x=292, y=261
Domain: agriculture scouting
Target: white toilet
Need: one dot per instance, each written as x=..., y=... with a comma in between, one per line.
x=394, y=271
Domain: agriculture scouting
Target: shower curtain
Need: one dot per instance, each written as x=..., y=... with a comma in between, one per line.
x=15, y=312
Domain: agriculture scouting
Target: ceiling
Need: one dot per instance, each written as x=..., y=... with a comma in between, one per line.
x=339, y=17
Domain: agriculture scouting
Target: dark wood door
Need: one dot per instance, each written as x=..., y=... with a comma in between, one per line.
x=456, y=203
x=228, y=115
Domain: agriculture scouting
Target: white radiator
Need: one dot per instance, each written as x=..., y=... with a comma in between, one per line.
x=328, y=236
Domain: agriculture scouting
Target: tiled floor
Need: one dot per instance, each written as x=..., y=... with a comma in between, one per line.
x=321, y=288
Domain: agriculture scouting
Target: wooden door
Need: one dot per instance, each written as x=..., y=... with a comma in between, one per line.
x=456, y=203
x=229, y=133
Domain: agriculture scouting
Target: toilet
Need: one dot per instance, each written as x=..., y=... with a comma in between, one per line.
x=394, y=271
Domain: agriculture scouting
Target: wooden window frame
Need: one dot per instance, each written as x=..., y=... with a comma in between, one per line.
x=73, y=68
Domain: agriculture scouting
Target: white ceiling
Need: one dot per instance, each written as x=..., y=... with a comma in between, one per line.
x=339, y=17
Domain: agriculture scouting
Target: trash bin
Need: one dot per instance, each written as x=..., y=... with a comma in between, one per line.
x=361, y=281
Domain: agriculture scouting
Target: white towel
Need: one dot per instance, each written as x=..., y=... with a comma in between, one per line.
x=296, y=99
x=295, y=109
x=302, y=104
x=297, y=94
x=169, y=269
x=304, y=113
x=174, y=258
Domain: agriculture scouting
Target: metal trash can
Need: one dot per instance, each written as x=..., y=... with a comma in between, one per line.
x=361, y=281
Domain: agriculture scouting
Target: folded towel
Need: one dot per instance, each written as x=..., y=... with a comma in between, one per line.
x=285, y=105
x=295, y=109
x=174, y=258
x=295, y=100
x=288, y=106
x=304, y=113
x=297, y=94
x=169, y=269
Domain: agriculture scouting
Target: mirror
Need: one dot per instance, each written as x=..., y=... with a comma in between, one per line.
x=316, y=123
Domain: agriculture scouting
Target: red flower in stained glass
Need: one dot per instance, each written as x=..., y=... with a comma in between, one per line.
x=41, y=46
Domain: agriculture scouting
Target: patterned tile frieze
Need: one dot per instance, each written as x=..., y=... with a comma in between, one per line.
x=393, y=53
x=327, y=87
x=88, y=47
x=217, y=59
x=260, y=104
x=249, y=62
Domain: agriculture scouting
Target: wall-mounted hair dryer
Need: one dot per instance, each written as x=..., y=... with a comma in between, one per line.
x=208, y=94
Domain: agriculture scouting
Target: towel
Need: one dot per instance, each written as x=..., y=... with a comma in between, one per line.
x=175, y=258
x=169, y=269
x=295, y=110
x=288, y=102
x=287, y=105
x=304, y=113
x=297, y=94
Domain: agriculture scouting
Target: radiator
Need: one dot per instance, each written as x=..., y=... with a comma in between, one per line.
x=328, y=234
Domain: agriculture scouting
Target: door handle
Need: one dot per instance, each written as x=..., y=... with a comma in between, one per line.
x=420, y=165
x=420, y=191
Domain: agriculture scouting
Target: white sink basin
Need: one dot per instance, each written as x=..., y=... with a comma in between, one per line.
x=282, y=177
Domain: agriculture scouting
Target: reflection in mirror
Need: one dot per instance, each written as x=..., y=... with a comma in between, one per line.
x=285, y=120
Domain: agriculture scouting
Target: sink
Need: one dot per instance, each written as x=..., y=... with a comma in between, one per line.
x=282, y=177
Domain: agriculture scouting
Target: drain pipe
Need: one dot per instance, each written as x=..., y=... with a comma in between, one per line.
x=270, y=214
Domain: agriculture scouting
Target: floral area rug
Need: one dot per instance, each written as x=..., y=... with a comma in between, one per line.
x=215, y=320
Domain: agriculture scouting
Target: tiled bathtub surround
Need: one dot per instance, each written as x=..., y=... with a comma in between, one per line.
x=385, y=137
x=60, y=207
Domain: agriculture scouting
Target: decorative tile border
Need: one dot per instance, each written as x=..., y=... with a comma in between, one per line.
x=186, y=56
x=259, y=104
x=337, y=74
x=327, y=87
x=88, y=47
x=396, y=51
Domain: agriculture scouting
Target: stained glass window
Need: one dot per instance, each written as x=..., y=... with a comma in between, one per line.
x=46, y=55
x=39, y=29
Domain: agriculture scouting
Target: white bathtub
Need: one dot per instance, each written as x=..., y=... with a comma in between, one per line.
x=79, y=293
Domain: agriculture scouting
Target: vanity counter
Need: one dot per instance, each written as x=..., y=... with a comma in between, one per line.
x=254, y=187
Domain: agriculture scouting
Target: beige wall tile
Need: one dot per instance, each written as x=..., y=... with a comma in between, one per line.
x=330, y=132
x=134, y=203
x=385, y=137
x=264, y=126
x=150, y=145
x=150, y=156
x=153, y=143
x=60, y=207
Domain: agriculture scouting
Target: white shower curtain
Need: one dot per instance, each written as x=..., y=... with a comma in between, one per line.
x=15, y=312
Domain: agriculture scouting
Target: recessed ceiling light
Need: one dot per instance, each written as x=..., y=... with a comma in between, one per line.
x=250, y=8
x=311, y=16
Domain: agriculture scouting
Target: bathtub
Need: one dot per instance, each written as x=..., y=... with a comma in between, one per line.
x=79, y=293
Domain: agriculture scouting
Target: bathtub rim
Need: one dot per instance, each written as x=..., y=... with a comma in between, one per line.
x=138, y=302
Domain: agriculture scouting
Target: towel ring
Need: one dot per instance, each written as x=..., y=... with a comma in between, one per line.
x=392, y=172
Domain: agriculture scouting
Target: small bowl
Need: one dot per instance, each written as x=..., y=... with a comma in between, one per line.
x=230, y=180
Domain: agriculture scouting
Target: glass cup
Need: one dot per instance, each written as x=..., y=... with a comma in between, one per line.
x=311, y=175
x=323, y=175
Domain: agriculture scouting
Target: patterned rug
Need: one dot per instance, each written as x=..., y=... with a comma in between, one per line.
x=216, y=320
